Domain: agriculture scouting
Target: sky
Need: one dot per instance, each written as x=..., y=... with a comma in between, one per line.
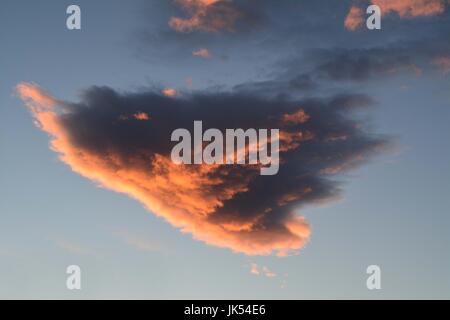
x=86, y=176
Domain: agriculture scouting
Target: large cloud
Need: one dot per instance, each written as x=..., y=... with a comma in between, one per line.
x=122, y=142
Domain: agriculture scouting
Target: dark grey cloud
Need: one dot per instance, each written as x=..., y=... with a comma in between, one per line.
x=318, y=70
x=310, y=40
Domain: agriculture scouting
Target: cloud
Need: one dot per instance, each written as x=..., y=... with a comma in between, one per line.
x=328, y=67
x=229, y=206
x=354, y=19
x=443, y=62
x=297, y=117
x=404, y=8
x=202, y=52
x=285, y=84
x=263, y=271
x=361, y=64
x=74, y=248
x=141, y=116
x=206, y=16
x=268, y=273
x=254, y=269
x=411, y=8
x=169, y=92
x=140, y=242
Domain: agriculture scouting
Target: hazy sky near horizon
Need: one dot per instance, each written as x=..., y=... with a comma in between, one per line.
x=392, y=209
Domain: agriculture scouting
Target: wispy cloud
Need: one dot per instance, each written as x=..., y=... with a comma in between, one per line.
x=261, y=271
x=354, y=19
x=206, y=16
x=202, y=52
x=75, y=248
x=140, y=242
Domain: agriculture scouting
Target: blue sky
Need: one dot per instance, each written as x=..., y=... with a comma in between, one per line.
x=393, y=210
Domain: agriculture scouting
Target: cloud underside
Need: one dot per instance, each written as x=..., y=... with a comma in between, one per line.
x=122, y=142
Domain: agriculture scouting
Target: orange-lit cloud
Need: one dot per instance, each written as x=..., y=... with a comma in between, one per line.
x=411, y=8
x=169, y=92
x=226, y=206
x=296, y=118
x=37, y=99
x=254, y=269
x=261, y=271
x=174, y=192
x=142, y=116
x=206, y=16
x=354, y=19
x=404, y=8
x=202, y=52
